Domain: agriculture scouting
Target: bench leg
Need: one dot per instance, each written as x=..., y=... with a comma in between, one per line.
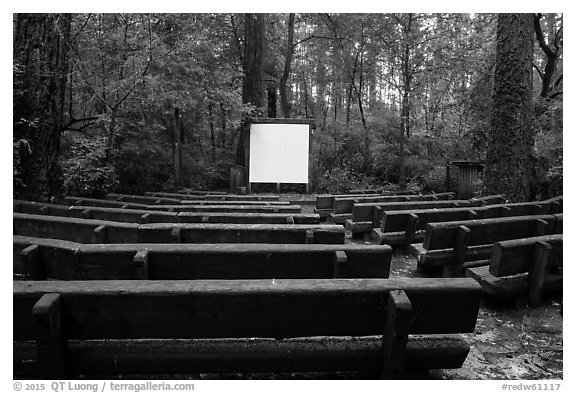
x=395, y=337
x=460, y=249
x=538, y=272
x=50, y=341
x=33, y=267
x=410, y=232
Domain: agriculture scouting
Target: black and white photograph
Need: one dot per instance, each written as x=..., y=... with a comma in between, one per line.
x=261, y=195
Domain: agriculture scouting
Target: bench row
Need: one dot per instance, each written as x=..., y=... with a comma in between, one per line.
x=367, y=216
x=41, y=259
x=456, y=245
x=197, y=206
x=403, y=227
x=144, y=216
x=325, y=203
x=113, y=327
x=522, y=267
x=172, y=199
x=100, y=231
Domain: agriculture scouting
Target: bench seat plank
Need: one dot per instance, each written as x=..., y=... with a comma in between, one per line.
x=511, y=286
x=247, y=308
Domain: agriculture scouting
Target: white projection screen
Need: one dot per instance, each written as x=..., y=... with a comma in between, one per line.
x=279, y=153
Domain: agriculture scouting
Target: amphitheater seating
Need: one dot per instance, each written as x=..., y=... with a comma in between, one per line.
x=113, y=327
x=144, y=216
x=522, y=267
x=222, y=208
x=403, y=227
x=41, y=259
x=456, y=245
x=100, y=231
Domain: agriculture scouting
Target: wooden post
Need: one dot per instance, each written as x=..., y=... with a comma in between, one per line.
x=395, y=335
x=537, y=272
x=178, y=131
x=50, y=341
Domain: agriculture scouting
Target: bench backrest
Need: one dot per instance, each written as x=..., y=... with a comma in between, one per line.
x=223, y=208
x=173, y=195
x=232, y=203
x=394, y=221
x=144, y=216
x=443, y=235
x=146, y=200
x=374, y=211
x=512, y=257
x=246, y=308
x=41, y=259
x=99, y=231
x=242, y=198
x=345, y=204
x=74, y=229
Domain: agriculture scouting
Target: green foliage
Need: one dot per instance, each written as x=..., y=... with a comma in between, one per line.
x=86, y=172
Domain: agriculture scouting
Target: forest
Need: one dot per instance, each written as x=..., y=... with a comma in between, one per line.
x=394, y=98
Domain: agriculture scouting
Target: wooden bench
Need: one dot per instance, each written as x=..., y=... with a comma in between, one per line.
x=522, y=267
x=344, y=205
x=74, y=229
x=325, y=203
x=144, y=216
x=457, y=245
x=403, y=227
x=189, y=191
x=174, y=195
x=367, y=216
x=41, y=259
x=222, y=208
x=260, y=198
x=78, y=201
x=233, y=203
x=112, y=327
x=99, y=231
x=146, y=200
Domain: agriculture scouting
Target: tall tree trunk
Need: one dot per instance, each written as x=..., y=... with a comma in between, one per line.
x=41, y=44
x=252, y=87
x=405, y=105
x=508, y=159
x=284, y=102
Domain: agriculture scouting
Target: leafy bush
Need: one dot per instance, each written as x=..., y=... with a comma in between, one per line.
x=85, y=172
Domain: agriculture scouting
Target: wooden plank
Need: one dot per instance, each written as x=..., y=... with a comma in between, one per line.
x=514, y=256
x=73, y=229
x=442, y=235
x=248, y=308
x=249, y=218
x=233, y=202
x=260, y=198
x=101, y=358
x=510, y=286
x=240, y=233
x=214, y=261
x=50, y=340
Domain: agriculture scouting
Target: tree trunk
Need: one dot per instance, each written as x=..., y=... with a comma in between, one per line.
x=41, y=44
x=508, y=159
x=284, y=102
x=252, y=87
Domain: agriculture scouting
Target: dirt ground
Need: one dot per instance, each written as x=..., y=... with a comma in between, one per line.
x=510, y=342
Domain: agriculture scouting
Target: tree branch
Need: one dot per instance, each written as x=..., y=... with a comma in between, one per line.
x=540, y=37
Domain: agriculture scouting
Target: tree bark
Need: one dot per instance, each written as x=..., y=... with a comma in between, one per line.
x=510, y=142
x=252, y=87
x=41, y=44
x=284, y=102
